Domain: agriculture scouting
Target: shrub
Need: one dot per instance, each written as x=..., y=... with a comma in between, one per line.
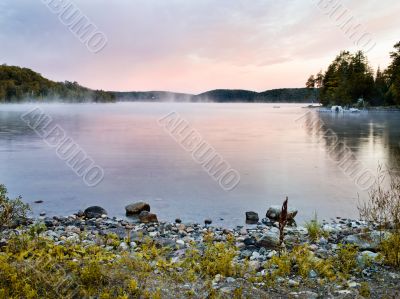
x=383, y=208
x=346, y=261
x=365, y=290
x=218, y=258
x=12, y=211
x=390, y=250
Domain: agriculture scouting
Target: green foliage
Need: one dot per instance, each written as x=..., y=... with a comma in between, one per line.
x=301, y=261
x=12, y=211
x=365, y=290
x=390, y=250
x=18, y=84
x=393, y=77
x=349, y=77
x=346, y=260
x=314, y=229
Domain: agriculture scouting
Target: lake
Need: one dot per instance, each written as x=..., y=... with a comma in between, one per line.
x=275, y=153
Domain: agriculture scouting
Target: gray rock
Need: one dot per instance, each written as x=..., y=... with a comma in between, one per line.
x=304, y=295
x=252, y=218
x=312, y=274
x=366, y=241
x=274, y=213
x=366, y=257
x=137, y=208
x=94, y=212
x=269, y=240
x=123, y=246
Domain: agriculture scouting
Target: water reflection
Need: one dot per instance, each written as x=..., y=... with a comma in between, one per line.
x=275, y=156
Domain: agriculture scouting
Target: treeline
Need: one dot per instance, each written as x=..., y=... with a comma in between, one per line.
x=284, y=95
x=350, y=81
x=22, y=84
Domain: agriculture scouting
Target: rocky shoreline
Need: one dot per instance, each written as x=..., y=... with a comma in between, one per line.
x=255, y=246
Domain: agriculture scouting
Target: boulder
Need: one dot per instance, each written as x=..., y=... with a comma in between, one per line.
x=269, y=240
x=94, y=212
x=366, y=241
x=252, y=218
x=274, y=213
x=147, y=217
x=137, y=208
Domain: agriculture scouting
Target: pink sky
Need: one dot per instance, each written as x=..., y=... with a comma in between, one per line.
x=192, y=46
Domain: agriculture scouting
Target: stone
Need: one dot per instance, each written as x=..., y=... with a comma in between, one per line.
x=181, y=227
x=304, y=295
x=269, y=240
x=274, y=213
x=3, y=242
x=207, y=221
x=249, y=241
x=137, y=208
x=180, y=242
x=48, y=223
x=352, y=284
x=94, y=212
x=366, y=241
x=293, y=283
x=255, y=265
x=272, y=254
x=366, y=257
x=312, y=274
x=153, y=234
x=177, y=220
x=252, y=218
x=123, y=246
x=147, y=217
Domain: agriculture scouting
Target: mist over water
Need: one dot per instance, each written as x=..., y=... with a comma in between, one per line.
x=275, y=156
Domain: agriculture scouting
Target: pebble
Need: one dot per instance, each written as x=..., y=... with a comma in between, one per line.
x=293, y=283
x=180, y=242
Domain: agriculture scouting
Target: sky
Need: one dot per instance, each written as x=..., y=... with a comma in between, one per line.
x=195, y=45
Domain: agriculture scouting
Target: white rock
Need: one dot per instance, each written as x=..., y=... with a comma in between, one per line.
x=123, y=246
x=180, y=242
x=272, y=254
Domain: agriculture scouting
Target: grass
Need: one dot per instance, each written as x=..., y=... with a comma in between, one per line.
x=314, y=229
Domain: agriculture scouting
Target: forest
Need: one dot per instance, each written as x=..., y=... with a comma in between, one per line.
x=350, y=81
x=22, y=84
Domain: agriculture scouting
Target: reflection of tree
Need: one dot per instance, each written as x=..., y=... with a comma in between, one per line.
x=356, y=131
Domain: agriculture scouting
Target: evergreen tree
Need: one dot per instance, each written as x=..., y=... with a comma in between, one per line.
x=393, y=77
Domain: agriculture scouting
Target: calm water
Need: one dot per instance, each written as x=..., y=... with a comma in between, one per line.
x=275, y=156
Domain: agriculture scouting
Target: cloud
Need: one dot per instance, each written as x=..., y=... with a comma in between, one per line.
x=189, y=46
